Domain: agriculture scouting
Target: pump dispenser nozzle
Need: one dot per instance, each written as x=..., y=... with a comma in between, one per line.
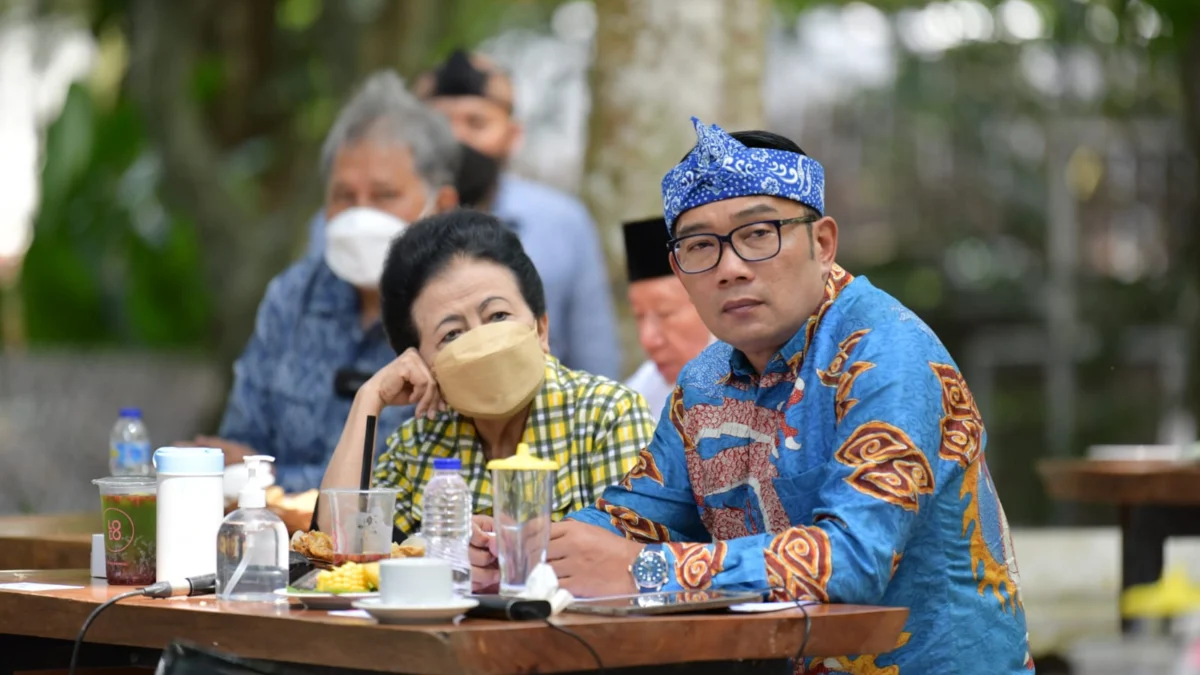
x=254, y=493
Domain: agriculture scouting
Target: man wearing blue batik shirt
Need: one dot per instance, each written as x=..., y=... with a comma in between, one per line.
x=557, y=232
x=827, y=449
x=387, y=161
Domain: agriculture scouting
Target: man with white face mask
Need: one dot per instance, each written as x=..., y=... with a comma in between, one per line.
x=477, y=97
x=388, y=161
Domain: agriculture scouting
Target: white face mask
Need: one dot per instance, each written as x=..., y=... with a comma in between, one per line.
x=357, y=242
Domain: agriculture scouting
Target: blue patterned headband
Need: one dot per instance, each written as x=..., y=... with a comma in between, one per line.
x=720, y=168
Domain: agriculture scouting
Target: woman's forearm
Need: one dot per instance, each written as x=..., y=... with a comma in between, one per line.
x=345, y=467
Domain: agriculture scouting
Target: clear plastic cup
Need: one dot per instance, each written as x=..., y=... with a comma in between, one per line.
x=362, y=523
x=521, y=517
x=129, y=507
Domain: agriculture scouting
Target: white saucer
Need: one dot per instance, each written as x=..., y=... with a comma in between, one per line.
x=392, y=614
x=325, y=602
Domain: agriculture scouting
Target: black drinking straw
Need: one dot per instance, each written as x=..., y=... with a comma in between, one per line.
x=368, y=454
x=364, y=480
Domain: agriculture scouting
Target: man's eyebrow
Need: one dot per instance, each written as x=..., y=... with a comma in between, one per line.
x=690, y=228
x=756, y=210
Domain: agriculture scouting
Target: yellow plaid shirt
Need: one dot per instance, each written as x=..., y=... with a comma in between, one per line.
x=593, y=427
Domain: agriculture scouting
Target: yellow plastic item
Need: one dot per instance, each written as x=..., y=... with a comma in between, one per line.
x=1172, y=595
x=522, y=461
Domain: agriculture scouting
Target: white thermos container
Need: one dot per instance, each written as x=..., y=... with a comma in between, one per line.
x=191, y=506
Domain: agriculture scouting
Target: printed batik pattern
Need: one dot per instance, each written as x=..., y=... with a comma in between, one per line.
x=993, y=561
x=799, y=564
x=633, y=525
x=830, y=477
x=887, y=465
x=697, y=564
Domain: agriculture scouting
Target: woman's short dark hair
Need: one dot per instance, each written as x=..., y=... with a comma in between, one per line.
x=429, y=246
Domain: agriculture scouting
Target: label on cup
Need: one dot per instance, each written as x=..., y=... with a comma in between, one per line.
x=119, y=530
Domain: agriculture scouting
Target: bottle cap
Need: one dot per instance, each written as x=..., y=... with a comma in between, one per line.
x=447, y=464
x=522, y=461
x=254, y=494
x=131, y=412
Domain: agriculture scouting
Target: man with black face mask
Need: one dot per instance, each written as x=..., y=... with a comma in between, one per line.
x=477, y=179
x=476, y=96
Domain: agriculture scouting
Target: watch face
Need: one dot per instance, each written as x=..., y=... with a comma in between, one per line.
x=650, y=569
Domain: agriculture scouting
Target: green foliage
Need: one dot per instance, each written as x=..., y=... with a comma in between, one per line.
x=108, y=264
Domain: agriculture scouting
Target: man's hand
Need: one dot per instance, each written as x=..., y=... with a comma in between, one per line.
x=590, y=561
x=235, y=453
x=485, y=568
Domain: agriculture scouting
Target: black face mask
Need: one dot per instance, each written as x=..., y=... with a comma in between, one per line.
x=477, y=178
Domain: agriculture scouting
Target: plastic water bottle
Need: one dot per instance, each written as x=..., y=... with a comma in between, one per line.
x=252, y=545
x=446, y=524
x=129, y=445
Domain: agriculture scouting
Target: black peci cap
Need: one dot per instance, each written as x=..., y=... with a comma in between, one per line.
x=646, y=254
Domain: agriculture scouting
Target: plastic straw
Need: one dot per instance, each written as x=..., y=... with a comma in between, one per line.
x=364, y=482
x=368, y=454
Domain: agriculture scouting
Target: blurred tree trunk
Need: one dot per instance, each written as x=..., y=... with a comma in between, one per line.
x=236, y=102
x=244, y=244
x=657, y=65
x=1189, y=258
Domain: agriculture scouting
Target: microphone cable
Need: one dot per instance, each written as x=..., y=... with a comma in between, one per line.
x=579, y=638
x=201, y=585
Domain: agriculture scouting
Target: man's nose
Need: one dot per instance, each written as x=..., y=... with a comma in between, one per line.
x=731, y=267
x=649, y=334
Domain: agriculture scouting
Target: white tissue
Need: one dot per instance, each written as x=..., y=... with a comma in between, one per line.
x=542, y=584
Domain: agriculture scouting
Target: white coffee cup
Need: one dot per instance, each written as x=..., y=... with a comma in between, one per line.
x=415, y=582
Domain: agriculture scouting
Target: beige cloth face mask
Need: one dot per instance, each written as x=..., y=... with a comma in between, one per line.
x=493, y=371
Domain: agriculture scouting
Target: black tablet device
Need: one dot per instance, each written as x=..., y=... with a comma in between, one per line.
x=673, y=602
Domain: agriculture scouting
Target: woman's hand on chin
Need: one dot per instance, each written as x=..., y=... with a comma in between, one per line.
x=405, y=381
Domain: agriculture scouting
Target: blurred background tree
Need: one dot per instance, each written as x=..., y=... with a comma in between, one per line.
x=1016, y=171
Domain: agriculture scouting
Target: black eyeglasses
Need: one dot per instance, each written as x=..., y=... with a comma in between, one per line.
x=752, y=242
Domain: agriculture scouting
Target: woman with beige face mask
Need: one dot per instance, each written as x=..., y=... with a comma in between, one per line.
x=465, y=309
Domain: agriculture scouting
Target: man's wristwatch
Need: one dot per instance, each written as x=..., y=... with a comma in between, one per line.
x=650, y=570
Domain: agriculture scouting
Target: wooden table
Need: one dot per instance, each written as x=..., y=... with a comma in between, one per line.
x=139, y=628
x=60, y=541
x=1155, y=501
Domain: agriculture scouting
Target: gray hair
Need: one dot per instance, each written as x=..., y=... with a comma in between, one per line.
x=383, y=109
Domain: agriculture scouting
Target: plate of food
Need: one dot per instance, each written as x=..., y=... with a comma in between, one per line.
x=335, y=589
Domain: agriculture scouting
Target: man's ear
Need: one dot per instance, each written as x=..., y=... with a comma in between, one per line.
x=825, y=241
x=516, y=138
x=447, y=199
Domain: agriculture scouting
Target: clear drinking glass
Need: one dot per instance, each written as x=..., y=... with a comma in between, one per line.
x=362, y=523
x=522, y=490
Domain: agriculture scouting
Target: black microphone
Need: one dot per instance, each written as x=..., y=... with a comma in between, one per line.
x=204, y=584
x=509, y=609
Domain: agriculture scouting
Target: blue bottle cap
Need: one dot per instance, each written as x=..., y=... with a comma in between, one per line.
x=451, y=464
x=131, y=412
